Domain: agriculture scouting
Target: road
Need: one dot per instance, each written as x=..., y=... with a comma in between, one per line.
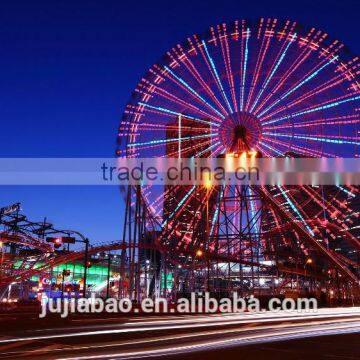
x=190, y=336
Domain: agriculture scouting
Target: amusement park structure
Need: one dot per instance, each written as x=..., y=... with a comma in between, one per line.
x=28, y=246
x=268, y=88
x=271, y=88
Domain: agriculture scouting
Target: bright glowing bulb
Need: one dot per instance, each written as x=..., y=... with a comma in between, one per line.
x=207, y=181
x=199, y=253
x=208, y=184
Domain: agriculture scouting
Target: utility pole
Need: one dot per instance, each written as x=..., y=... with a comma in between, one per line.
x=85, y=264
x=108, y=277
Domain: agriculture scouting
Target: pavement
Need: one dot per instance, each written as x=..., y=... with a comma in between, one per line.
x=330, y=333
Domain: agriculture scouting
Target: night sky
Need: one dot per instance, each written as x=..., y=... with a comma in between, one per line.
x=68, y=68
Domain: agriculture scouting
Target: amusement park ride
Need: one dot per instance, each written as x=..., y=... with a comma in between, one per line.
x=269, y=88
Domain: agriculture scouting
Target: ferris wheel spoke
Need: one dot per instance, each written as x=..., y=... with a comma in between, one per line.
x=244, y=62
x=319, y=107
x=263, y=151
x=346, y=73
x=171, y=112
x=330, y=139
x=225, y=50
x=164, y=141
x=276, y=65
x=302, y=150
x=185, y=104
x=346, y=191
x=277, y=152
x=215, y=74
x=335, y=81
x=265, y=44
x=301, y=83
x=179, y=206
x=203, y=84
x=219, y=150
x=163, y=127
x=199, y=154
x=302, y=57
x=332, y=121
x=295, y=210
x=188, y=149
x=288, y=33
x=286, y=144
x=153, y=89
x=192, y=91
x=300, y=60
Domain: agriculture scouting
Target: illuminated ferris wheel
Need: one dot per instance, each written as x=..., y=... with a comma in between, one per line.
x=279, y=88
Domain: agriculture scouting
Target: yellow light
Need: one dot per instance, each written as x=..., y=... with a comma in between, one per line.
x=309, y=261
x=252, y=154
x=199, y=253
x=208, y=182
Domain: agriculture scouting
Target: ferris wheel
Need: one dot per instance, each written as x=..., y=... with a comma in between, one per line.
x=279, y=87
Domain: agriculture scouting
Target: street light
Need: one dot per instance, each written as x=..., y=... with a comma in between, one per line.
x=199, y=253
x=308, y=261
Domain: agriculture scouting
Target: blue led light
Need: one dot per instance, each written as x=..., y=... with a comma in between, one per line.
x=217, y=76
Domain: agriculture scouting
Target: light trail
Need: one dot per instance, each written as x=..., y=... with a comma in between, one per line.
x=235, y=341
x=238, y=333
x=198, y=323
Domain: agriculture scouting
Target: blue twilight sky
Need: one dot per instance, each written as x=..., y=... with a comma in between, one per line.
x=68, y=67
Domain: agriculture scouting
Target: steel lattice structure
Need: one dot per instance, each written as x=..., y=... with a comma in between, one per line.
x=281, y=90
x=25, y=251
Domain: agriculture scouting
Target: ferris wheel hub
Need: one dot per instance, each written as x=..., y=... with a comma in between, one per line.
x=240, y=131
